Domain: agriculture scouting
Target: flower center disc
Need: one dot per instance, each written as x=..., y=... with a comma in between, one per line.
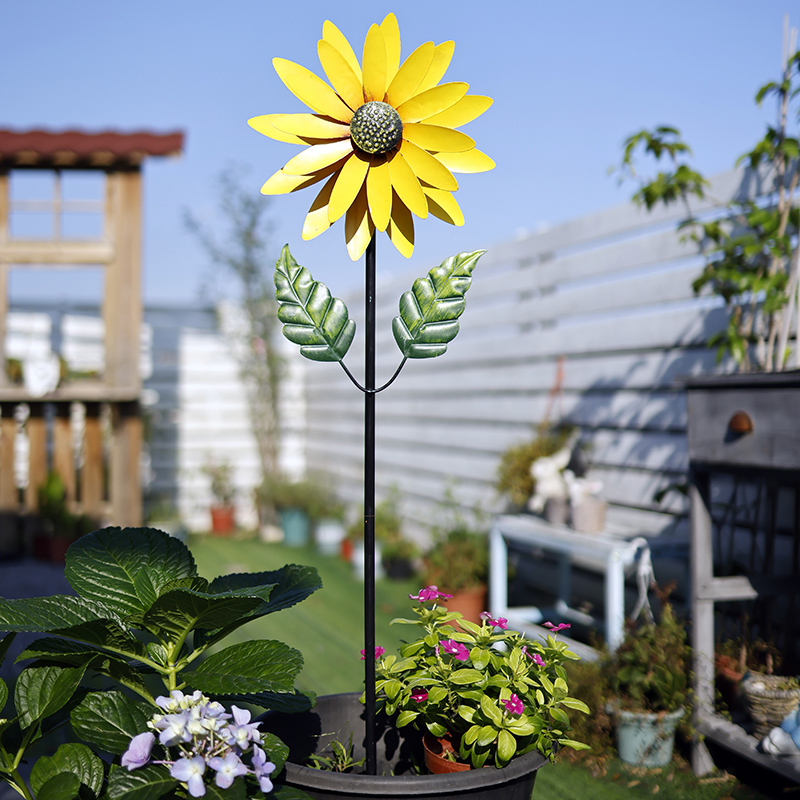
x=376, y=128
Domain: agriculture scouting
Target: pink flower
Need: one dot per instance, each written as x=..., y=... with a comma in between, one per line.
x=500, y=622
x=514, y=705
x=420, y=696
x=455, y=649
x=379, y=651
x=535, y=657
x=556, y=628
x=430, y=593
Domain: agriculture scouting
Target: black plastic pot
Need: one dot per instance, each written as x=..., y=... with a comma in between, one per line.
x=337, y=716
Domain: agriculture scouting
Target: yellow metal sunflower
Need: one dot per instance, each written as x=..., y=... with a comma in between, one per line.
x=384, y=137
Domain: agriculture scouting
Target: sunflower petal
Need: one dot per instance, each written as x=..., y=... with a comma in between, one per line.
x=425, y=166
x=331, y=34
x=358, y=227
x=407, y=185
x=310, y=126
x=430, y=102
x=441, y=61
x=443, y=206
x=266, y=124
x=465, y=110
x=312, y=90
x=374, y=61
x=435, y=137
x=401, y=228
x=317, y=221
x=318, y=156
x=408, y=78
x=281, y=183
x=379, y=194
x=391, y=36
x=470, y=161
x=346, y=83
x=348, y=184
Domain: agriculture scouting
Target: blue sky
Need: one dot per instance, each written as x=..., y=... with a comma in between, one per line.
x=570, y=81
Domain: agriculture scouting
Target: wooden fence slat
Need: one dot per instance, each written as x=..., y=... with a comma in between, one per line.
x=9, y=497
x=37, y=454
x=92, y=470
x=63, y=454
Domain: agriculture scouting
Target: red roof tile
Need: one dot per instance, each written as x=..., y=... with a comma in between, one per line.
x=73, y=148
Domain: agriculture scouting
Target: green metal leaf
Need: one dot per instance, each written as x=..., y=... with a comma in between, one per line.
x=319, y=323
x=76, y=760
x=255, y=666
x=126, y=569
x=41, y=691
x=429, y=312
x=146, y=783
x=109, y=720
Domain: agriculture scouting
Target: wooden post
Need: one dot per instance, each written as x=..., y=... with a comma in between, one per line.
x=63, y=455
x=9, y=497
x=92, y=469
x=4, y=234
x=126, y=494
x=122, y=305
x=37, y=454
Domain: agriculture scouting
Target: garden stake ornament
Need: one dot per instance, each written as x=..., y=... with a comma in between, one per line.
x=383, y=136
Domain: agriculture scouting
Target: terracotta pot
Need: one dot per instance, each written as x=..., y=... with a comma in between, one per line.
x=436, y=752
x=729, y=677
x=346, y=550
x=468, y=602
x=223, y=521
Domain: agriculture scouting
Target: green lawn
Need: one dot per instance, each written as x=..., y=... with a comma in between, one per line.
x=328, y=629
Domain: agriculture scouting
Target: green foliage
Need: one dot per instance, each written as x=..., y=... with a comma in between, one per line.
x=52, y=497
x=494, y=693
x=312, y=496
x=429, y=313
x=319, y=323
x=750, y=249
x=459, y=559
x=221, y=475
x=514, y=479
x=650, y=669
x=140, y=610
x=340, y=760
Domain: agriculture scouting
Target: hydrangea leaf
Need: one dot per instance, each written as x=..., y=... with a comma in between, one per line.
x=109, y=720
x=126, y=569
x=429, y=313
x=319, y=323
x=41, y=691
x=70, y=759
x=280, y=588
x=236, y=791
x=147, y=783
x=247, y=667
x=285, y=702
x=62, y=786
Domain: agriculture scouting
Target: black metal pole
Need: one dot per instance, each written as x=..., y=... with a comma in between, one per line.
x=369, y=510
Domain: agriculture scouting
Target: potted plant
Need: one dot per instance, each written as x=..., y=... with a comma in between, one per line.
x=295, y=502
x=515, y=479
x=649, y=679
x=127, y=662
x=458, y=563
x=59, y=527
x=223, y=511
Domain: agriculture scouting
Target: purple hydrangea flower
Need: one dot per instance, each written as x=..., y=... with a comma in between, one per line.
x=455, y=649
x=242, y=732
x=262, y=768
x=190, y=771
x=138, y=752
x=227, y=769
x=514, y=705
x=174, y=729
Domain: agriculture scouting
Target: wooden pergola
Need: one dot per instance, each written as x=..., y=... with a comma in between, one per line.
x=103, y=480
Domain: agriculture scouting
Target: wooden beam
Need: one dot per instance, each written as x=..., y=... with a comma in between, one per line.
x=20, y=251
x=37, y=454
x=9, y=497
x=63, y=455
x=92, y=470
x=126, y=447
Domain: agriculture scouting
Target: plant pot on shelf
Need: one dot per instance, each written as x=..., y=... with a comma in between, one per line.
x=223, y=520
x=337, y=717
x=768, y=700
x=468, y=602
x=589, y=515
x=296, y=526
x=646, y=740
